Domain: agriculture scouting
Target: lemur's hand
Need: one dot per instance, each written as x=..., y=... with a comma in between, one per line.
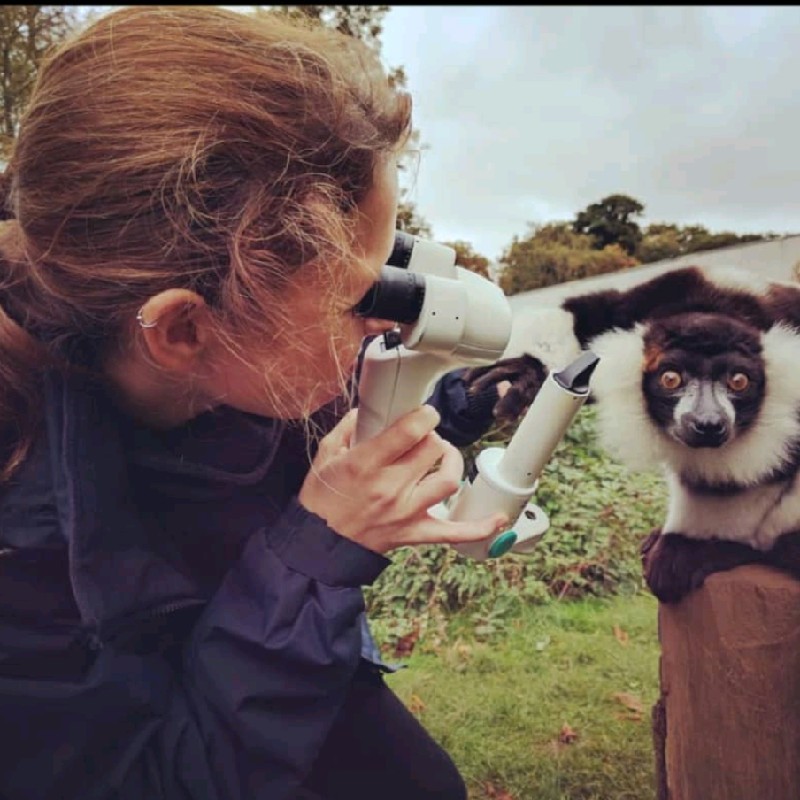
x=525, y=374
x=675, y=565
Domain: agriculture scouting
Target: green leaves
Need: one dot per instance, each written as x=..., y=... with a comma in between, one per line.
x=26, y=34
x=554, y=253
x=609, y=222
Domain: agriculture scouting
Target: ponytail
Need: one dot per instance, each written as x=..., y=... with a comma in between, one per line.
x=22, y=362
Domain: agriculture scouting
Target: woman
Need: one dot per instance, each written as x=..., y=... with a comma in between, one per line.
x=199, y=199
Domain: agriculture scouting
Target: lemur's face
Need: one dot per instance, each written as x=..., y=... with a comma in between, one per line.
x=703, y=377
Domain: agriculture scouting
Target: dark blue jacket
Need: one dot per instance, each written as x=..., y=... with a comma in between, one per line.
x=173, y=624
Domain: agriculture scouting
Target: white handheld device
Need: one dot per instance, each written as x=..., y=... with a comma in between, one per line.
x=505, y=478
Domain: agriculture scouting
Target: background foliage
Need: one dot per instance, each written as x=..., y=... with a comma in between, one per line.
x=26, y=33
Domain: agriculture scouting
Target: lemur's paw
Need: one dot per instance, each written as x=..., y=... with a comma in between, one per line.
x=670, y=566
x=526, y=375
x=675, y=565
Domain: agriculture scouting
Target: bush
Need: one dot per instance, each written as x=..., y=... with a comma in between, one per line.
x=599, y=512
x=530, y=264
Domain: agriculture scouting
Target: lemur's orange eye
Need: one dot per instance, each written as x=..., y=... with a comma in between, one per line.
x=738, y=382
x=670, y=379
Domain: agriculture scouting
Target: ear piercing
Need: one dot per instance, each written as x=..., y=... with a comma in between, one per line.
x=142, y=323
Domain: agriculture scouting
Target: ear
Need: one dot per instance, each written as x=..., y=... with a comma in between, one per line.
x=175, y=327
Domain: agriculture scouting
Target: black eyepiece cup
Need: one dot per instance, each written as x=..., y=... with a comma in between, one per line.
x=397, y=296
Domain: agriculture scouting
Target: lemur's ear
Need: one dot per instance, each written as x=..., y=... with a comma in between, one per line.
x=783, y=302
x=595, y=313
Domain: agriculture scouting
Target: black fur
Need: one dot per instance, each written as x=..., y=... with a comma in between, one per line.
x=680, y=291
x=526, y=375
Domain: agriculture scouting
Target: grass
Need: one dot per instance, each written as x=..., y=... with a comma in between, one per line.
x=556, y=707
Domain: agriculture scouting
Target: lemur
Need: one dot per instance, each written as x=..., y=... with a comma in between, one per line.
x=699, y=374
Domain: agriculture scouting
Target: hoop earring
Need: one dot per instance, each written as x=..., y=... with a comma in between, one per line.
x=142, y=323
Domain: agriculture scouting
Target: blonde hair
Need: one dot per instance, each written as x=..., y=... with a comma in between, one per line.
x=180, y=147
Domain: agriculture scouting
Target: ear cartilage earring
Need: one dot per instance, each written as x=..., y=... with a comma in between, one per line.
x=142, y=323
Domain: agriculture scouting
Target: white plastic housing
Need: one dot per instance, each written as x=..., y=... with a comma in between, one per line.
x=393, y=382
x=507, y=478
x=469, y=318
x=539, y=433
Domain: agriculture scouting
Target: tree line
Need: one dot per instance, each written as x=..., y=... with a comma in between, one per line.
x=603, y=237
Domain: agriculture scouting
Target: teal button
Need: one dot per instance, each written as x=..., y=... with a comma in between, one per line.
x=502, y=544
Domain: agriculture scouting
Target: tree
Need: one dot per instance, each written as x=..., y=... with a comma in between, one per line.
x=410, y=221
x=26, y=34
x=555, y=253
x=661, y=241
x=467, y=257
x=362, y=22
x=609, y=222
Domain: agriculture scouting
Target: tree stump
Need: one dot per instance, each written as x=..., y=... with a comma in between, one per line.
x=727, y=723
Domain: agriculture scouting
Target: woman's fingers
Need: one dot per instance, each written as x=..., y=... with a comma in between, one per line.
x=380, y=492
x=438, y=531
x=415, y=464
x=441, y=483
x=400, y=437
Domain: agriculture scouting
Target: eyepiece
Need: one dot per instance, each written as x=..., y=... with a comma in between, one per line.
x=398, y=296
x=401, y=252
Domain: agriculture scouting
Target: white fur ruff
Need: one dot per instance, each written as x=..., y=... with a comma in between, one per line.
x=757, y=516
x=546, y=334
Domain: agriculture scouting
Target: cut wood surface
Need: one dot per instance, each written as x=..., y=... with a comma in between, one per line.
x=727, y=725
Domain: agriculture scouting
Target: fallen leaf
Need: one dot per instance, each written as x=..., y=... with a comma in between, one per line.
x=567, y=735
x=542, y=643
x=630, y=716
x=630, y=701
x=405, y=644
x=415, y=704
x=463, y=649
x=620, y=635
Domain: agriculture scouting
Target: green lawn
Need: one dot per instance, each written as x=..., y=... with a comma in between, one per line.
x=556, y=707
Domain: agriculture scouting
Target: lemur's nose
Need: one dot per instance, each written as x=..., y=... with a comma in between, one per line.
x=709, y=427
x=708, y=431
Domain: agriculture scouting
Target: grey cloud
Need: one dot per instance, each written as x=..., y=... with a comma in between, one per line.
x=690, y=109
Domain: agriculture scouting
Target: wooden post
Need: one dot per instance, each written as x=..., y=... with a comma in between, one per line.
x=727, y=724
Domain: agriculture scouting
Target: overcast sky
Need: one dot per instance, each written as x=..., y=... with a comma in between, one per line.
x=528, y=114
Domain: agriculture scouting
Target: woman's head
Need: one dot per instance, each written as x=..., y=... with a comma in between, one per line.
x=200, y=150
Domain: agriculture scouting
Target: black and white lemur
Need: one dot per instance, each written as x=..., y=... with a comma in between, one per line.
x=700, y=375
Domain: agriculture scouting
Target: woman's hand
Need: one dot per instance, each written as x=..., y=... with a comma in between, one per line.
x=378, y=492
